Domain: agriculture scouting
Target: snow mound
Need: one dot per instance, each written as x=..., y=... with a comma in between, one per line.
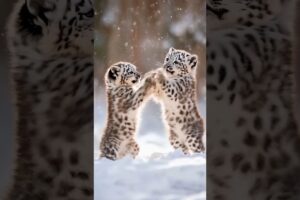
x=171, y=176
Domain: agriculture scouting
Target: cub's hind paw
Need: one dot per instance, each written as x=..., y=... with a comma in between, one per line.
x=185, y=150
x=109, y=154
x=134, y=149
x=200, y=149
x=197, y=146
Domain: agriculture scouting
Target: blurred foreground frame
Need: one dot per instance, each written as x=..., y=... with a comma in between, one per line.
x=253, y=139
x=51, y=69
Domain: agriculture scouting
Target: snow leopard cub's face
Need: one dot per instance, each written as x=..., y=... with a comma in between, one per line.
x=122, y=73
x=179, y=62
x=53, y=26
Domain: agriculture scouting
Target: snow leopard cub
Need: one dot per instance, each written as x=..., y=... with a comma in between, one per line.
x=125, y=95
x=175, y=89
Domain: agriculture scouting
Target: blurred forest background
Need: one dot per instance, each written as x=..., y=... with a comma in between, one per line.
x=141, y=32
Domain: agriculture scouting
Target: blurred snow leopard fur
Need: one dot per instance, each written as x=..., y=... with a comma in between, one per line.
x=51, y=47
x=296, y=61
x=253, y=151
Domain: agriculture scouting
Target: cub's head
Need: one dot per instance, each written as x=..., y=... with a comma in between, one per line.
x=52, y=26
x=179, y=62
x=122, y=73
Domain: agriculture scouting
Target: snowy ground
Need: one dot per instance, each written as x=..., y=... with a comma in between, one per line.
x=159, y=172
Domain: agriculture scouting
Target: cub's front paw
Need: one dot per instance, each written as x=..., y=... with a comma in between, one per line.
x=150, y=74
x=159, y=76
x=150, y=81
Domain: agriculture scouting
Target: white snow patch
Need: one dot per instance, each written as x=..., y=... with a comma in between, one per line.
x=158, y=172
x=170, y=176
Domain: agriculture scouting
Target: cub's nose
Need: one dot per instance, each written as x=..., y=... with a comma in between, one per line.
x=138, y=76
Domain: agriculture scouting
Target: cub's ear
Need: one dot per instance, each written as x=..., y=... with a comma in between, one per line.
x=38, y=8
x=171, y=50
x=113, y=73
x=193, y=61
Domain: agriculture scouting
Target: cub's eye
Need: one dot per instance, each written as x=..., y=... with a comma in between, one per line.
x=89, y=14
x=130, y=73
x=167, y=59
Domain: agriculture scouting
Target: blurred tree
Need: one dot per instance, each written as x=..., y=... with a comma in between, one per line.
x=142, y=31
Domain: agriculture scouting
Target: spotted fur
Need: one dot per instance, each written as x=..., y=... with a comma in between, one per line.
x=125, y=96
x=254, y=150
x=175, y=89
x=51, y=45
x=227, y=13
